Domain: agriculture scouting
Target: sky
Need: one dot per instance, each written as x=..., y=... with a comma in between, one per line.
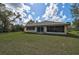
x=57, y=12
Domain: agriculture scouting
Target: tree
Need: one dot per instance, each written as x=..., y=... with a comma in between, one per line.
x=30, y=21
x=75, y=14
x=5, y=15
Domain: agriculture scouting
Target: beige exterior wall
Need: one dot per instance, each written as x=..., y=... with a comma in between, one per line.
x=25, y=29
x=65, y=29
x=45, y=29
x=35, y=29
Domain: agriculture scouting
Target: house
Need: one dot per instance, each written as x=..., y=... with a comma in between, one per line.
x=47, y=27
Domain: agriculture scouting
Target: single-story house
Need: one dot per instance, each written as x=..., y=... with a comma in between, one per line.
x=47, y=27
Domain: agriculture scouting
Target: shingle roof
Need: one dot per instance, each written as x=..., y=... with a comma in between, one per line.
x=45, y=23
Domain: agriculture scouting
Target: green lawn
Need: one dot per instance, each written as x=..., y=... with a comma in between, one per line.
x=24, y=43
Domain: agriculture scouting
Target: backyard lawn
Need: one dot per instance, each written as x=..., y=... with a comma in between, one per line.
x=33, y=44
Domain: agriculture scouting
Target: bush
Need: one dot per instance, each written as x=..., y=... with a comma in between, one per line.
x=17, y=28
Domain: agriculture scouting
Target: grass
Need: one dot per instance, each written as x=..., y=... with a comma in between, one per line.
x=19, y=43
x=75, y=32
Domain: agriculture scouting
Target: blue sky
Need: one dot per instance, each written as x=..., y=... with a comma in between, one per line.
x=43, y=11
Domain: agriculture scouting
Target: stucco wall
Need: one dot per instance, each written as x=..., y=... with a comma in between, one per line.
x=65, y=28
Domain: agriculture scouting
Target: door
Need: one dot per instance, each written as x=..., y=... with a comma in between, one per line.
x=40, y=29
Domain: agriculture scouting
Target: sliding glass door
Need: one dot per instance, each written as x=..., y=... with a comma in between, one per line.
x=40, y=29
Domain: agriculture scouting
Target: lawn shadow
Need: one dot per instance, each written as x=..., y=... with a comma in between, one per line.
x=66, y=35
x=72, y=35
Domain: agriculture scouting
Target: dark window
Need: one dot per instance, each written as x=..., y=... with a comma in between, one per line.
x=40, y=29
x=59, y=28
x=31, y=28
x=50, y=29
x=55, y=28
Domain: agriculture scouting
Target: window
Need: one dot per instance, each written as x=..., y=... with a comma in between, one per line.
x=40, y=29
x=31, y=28
x=50, y=29
x=59, y=28
x=55, y=28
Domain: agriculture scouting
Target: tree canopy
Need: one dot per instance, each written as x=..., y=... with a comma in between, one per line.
x=75, y=14
x=5, y=17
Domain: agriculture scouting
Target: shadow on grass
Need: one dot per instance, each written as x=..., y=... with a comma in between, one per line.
x=66, y=35
x=72, y=35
